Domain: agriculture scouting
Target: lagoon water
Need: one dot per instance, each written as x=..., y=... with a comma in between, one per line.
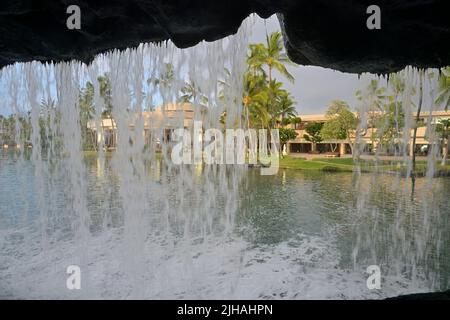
x=296, y=235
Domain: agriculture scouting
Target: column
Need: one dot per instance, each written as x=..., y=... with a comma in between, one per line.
x=341, y=148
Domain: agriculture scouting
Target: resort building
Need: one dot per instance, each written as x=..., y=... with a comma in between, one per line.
x=160, y=122
x=163, y=120
x=301, y=145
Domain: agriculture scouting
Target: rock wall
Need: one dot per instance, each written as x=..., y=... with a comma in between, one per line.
x=331, y=34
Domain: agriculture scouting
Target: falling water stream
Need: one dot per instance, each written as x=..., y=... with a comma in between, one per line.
x=139, y=226
x=409, y=242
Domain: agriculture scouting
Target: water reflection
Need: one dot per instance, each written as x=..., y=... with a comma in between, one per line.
x=370, y=218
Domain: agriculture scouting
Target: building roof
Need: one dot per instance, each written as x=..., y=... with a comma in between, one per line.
x=312, y=117
x=171, y=115
x=424, y=114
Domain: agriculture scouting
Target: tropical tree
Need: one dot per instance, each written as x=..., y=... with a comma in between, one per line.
x=313, y=135
x=286, y=110
x=255, y=60
x=275, y=96
x=86, y=111
x=259, y=114
x=331, y=130
x=390, y=119
x=374, y=98
x=164, y=81
x=390, y=123
x=443, y=98
x=294, y=121
x=340, y=124
x=224, y=84
x=286, y=134
x=255, y=99
x=48, y=123
x=7, y=129
x=192, y=93
x=271, y=55
x=443, y=129
x=414, y=139
x=166, y=77
x=106, y=94
x=224, y=87
x=17, y=129
x=266, y=103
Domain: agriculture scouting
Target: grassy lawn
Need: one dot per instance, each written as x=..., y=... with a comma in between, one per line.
x=315, y=164
x=348, y=165
x=337, y=164
x=93, y=153
x=344, y=161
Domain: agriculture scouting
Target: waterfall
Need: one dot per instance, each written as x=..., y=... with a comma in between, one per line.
x=407, y=242
x=169, y=216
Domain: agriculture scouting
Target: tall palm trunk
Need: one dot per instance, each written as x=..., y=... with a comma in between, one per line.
x=270, y=73
x=419, y=109
x=445, y=151
x=248, y=117
x=270, y=91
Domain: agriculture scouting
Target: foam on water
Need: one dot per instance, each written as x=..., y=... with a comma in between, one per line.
x=220, y=269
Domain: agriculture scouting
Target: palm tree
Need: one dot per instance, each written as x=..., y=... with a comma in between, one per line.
x=166, y=77
x=286, y=108
x=258, y=110
x=264, y=100
x=224, y=84
x=443, y=98
x=256, y=103
x=7, y=131
x=86, y=101
x=164, y=81
x=253, y=98
x=224, y=87
x=87, y=111
x=443, y=128
x=414, y=140
x=375, y=98
x=395, y=106
x=374, y=94
x=255, y=59
x=106, y=94
x=192, y=93
x=272, y=55
x=276, y=96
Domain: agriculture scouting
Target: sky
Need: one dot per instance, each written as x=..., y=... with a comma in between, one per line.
x=314, y=87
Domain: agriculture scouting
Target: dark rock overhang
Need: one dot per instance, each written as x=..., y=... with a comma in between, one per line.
x=443, y=295
x=331, y=34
